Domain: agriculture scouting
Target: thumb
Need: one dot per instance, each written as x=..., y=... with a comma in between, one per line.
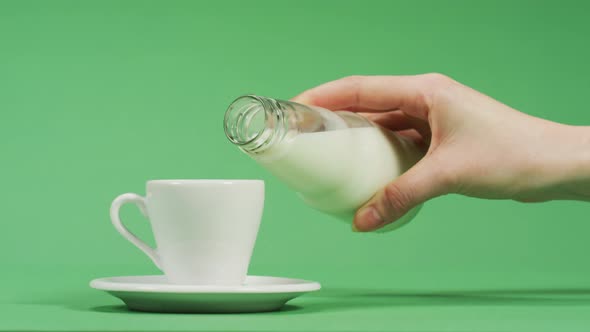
x=417, y=185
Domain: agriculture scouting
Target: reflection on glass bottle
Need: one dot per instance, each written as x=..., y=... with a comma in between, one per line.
x=336, y=161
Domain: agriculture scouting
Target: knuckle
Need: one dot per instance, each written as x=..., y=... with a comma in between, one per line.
x=437, y=79
x=354, y=80
x=396, y=200
x=438, y=88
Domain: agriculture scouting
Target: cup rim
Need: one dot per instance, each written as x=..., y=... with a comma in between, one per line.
x=203, y=181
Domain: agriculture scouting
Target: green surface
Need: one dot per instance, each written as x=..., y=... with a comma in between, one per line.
x=96, y=97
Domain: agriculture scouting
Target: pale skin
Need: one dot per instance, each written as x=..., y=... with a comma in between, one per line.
x=475, y=145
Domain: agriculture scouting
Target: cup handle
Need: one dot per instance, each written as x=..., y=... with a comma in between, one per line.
x=140, y=202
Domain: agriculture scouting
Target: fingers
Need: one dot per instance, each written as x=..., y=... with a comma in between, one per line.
x=398, y=120
x=380, y=95
x=375, y=94
x=394, y=120
x=415, y=137
x=419, y=184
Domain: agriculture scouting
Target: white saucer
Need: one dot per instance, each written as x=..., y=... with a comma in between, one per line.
x=155, y=294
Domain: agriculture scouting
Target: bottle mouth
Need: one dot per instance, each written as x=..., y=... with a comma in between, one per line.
x=247, y=124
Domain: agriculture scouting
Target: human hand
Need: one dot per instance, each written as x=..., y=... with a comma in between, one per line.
x=476, y=145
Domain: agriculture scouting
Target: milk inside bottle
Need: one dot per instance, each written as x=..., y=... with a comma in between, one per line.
x=335, y=161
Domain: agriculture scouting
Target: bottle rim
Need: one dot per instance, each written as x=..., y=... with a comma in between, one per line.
x=239, y=117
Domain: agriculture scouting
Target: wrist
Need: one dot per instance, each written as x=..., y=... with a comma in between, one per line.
x=571, y=157
x=558, y=166
x=576, y=183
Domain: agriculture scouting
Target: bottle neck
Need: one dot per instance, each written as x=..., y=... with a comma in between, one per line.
x=255, y=123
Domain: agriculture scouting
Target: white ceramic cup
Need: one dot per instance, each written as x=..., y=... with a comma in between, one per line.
x=204, y=229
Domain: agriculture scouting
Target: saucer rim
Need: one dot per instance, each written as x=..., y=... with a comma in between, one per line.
x=293, y=286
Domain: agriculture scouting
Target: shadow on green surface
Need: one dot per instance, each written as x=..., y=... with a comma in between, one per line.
x=333, y=299
x=123, y=309
x=343, y=299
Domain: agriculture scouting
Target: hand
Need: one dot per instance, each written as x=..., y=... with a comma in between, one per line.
x=476, y=145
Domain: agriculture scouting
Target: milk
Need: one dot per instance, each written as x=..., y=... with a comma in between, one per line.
x=336, y=171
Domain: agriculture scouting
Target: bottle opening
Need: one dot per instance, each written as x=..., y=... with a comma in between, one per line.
x=244, y=120
x=249, y=122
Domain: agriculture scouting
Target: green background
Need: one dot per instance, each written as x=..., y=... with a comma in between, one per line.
x=96, y=97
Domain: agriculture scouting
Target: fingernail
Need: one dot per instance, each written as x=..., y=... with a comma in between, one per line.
x=370, y=218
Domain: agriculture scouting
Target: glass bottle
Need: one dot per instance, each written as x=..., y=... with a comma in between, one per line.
x=334, y=160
